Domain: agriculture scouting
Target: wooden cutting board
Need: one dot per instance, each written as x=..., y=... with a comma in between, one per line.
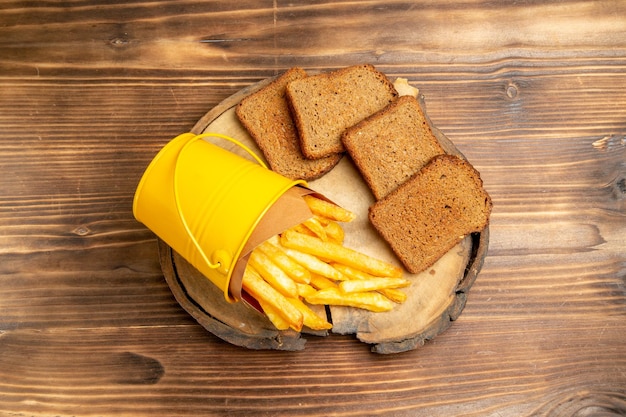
x=436, y=296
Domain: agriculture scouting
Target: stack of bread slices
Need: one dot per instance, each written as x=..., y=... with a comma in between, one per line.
x=426, y=200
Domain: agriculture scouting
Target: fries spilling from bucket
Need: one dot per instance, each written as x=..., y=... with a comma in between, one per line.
x=308, y=265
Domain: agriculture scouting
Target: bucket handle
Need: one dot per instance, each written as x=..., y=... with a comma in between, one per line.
x=210, y=264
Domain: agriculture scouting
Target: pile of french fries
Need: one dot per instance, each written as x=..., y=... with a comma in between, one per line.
x=308, y=264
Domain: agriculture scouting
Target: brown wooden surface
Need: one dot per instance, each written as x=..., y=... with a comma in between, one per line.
x=532, y=92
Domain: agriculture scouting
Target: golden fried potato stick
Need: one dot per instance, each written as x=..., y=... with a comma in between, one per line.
x=324, y=221
x=328, y=210
x=316, y=228
x=313, y=264
x=320, y=282
x=397, y=296
x=372, y=301
x=338, y=253
x=263, y=292
x=372, y=284
x=271, y=273
x=293, y=269
x=300, y=228
x=305, y=290
x=311, y=320
x=274, y=316
x=334, y=231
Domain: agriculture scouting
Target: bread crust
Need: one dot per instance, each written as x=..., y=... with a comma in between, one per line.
x=324, y=105
x=266, y=116
x=430, y=213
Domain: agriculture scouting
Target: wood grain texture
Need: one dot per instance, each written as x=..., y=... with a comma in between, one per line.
x=532, y=92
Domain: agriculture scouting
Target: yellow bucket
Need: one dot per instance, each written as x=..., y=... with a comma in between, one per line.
x=205, y=202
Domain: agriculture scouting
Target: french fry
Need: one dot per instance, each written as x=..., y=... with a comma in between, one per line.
x=293, y=269
x=328, y=210
x=324, y=221
x=395, y=295
x=305, y=290
x=311, y=320
x=349, y=272
x=274, y=315
x=334, y=231
x=316, y=228
x=372, y=284
x=320, y=282
x=301, y=228
x=338, y=253
x=271, y=273
x=263, y=292
x=372, y=301
x=313, y=264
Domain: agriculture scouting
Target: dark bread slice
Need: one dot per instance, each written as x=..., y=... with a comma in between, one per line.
x=325, y=105
x=266, y=116
x=430, y=213
x=392, y=145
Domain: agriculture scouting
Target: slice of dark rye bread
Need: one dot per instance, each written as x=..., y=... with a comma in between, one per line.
x=431, y=212
x=391, y=145
x=266, y=116
x=324, y=105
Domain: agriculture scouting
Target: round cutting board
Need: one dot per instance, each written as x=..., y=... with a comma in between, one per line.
x=436, y=297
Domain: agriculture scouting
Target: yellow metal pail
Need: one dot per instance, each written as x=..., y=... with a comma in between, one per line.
x=205, y=202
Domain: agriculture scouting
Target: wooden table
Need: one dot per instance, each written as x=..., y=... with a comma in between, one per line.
x=532, y=92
